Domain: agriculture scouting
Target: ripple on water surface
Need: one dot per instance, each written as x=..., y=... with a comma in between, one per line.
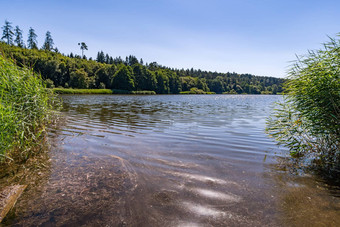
x=168, y=160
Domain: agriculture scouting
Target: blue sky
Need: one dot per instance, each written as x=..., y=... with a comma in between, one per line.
x=260, y=37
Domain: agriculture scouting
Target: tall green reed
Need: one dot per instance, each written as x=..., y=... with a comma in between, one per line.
x=308, y=121
x=25, y=107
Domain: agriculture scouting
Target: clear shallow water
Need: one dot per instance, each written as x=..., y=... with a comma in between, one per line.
x=171, y=160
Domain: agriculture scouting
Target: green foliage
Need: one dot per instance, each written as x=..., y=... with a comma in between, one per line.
x=123, y=79
x=25, y=106
x=18, y=37
x=83, y=47
x=32, y=42
x=76, y=72
x=308, y=121
x=174, y=82
x=162, y=83
x=49, y=83
x=81, y=91
x=126, y=92
x=101, y=85
x=119, y=91
x=79, y=79
x=195, y=90
x=7, y=32
x=143, y=92
x=266, y=93
x=231, y=92
x=144, y=78
x=100, y=57
x=48, y=44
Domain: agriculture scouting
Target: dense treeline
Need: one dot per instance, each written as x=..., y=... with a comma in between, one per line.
x=131, y=74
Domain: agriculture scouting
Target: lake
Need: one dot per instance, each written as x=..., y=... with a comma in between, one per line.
x=171, y=160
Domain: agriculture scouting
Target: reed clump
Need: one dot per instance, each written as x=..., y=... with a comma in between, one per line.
x=26, y=106
x=308, y=120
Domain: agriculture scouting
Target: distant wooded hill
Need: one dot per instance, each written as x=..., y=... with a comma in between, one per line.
x=131, y=74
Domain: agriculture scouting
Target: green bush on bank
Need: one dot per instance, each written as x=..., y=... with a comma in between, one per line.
x=197, y=91
x=126, y=92
x=25, y=106
x=308, y=121
x=143, y=92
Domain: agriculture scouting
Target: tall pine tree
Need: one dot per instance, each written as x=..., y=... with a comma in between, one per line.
x=101, y=57
x=48, y=44
x=32, y=42
x=18, y=37
x=7, y=32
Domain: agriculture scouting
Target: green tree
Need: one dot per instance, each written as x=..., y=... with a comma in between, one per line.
x=150, y=81
x=308, y=121
x=7, y=33
x=83, y=47
x=111, y=60
x=217, y=85
x=174, y=82
x=32, y=42
x=100, y=57
x=49, y=83
x=107, y=59
x=48, y=44
x=188, y=82
x=105, y=75
x=144, y=78
x=162, y=83
x=79, y=79
x=123, y=79
x=140, y=74
x=116, y=61
x=18, y=37
x=131, y=60
x=202, y=84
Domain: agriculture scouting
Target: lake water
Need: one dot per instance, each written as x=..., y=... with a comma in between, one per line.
x=171, y=160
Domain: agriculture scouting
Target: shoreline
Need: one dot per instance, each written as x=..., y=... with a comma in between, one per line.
x=76, y=91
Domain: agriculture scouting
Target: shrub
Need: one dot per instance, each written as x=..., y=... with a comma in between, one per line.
x=195, y=90
x=49, y=83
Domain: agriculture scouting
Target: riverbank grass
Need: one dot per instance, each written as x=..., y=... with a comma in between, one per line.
x=81, y=91
x=100, y=91
x=25, y=107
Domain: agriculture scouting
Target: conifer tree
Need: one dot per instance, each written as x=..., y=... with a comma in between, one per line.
x=32, y=42
x=18, y=37
x=7, y=32
x=101, y=57
x=111, y=61
x=48, y=44
x=107, y=59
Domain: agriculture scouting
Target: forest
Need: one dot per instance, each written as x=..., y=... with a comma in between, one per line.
x=129, y=74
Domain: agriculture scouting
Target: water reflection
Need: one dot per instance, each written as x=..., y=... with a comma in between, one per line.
x=166, y=161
